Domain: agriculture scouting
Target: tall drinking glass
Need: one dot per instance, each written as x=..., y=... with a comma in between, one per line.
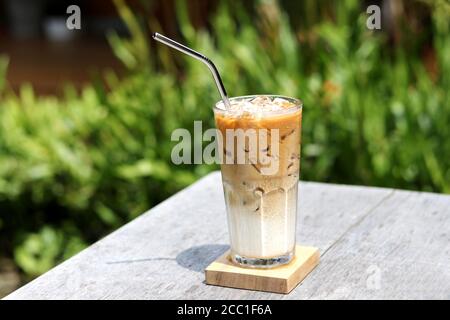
x=260, y=179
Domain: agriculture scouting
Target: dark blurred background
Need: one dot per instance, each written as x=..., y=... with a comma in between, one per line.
x=44, y=52
x=86, y=115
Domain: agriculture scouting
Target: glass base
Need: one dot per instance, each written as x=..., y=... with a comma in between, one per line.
x=262, y=263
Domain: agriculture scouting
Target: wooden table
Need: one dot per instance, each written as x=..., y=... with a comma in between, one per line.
x=375, y=243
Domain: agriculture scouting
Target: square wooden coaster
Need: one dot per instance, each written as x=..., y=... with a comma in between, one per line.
x=222, y=272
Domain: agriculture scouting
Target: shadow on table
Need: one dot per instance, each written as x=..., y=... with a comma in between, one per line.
x=197, y=258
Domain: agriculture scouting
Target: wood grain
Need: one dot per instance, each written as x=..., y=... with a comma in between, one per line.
x=222, y=272
x=374, y=243
x=401, y=250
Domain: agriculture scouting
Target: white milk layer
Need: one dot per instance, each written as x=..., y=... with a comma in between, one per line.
x=264, y=227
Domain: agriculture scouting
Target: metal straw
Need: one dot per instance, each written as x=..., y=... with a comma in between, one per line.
x=178, y=46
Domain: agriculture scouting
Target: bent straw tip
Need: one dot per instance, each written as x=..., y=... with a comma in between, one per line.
x=178, y=46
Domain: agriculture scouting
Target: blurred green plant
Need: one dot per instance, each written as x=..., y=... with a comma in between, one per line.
x=74, y=168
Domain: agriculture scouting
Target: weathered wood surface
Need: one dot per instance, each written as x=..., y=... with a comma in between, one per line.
x=375, y=244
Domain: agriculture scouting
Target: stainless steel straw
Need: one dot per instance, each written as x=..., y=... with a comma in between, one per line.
x=178, y=46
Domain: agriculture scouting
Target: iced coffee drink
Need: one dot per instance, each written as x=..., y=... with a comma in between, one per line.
x=260, y=176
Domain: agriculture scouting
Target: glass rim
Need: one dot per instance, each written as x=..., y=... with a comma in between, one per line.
x=298, y=104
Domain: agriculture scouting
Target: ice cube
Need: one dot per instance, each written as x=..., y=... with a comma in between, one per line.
x=279, y=101
x=284, y=103
x=261, y=100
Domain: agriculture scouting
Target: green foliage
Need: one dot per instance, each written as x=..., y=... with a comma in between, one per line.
x=74, y=168
x=3, y=68
x=39, y=251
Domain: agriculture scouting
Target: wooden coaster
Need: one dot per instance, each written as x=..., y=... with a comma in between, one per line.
x=283, y=279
